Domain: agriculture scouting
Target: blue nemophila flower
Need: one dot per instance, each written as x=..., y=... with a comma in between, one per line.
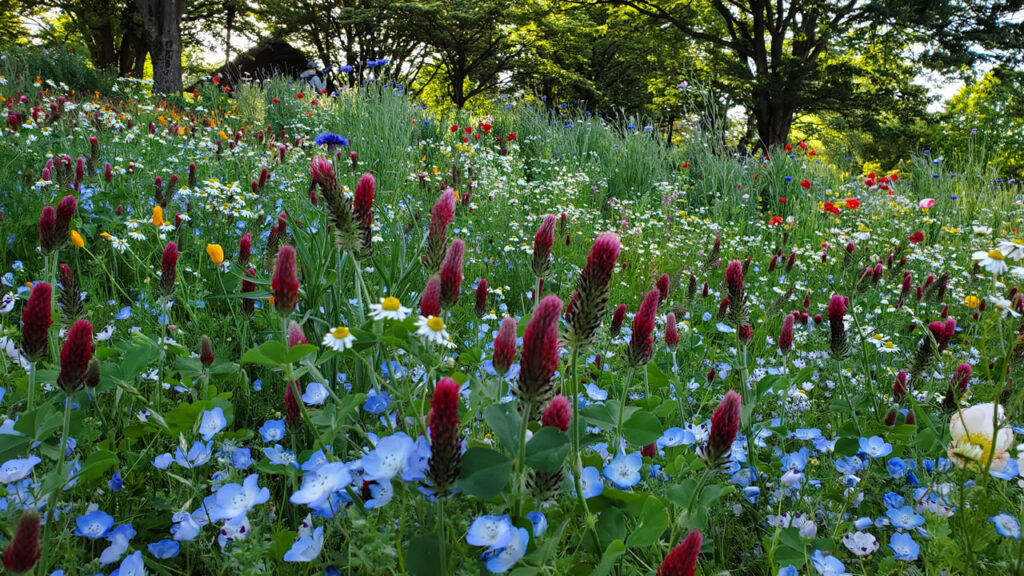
x=590, y=481
x=186, y=527
x=329, y=139
x=863, y=523
x=491, y=531
x=904, y=517
x=131, y=566
x=875, y=447
x=163, y=461
x=751, y=493
x=272, y=430
x=241, y=458
x=676, y=436
x=903, y=547
x=198, y=455
x=389, y=457
x=805, y=434
x=539, y=521
x=893, y=500
x=419, y=459
x=115, y=483
x=212, y=423
x=234, y=500
x=164, y=549
x=315, y=394
x=896, y=467
x=595, y=392
x=381, y=494
x=1007, y=526
x=319, y=484
x=376, y=402
x=796, y=460
x=278, y=455
x=624, y=470
x=788, y=571
x=94, y=525
x=1007, y=472
x=119, y=539
x=307, y=547
x=18, y=468
x=499, y=561
x=828, y=565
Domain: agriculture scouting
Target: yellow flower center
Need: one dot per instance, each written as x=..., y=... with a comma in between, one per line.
x=889, y=345
x=391, y=304
x=878, y=336
x=995, y=255
x=340, y=332
x=981, y=442
x=435, y=324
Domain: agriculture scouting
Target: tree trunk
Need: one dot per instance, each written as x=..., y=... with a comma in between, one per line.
x=228, y=25
x=162, y=22
x=774, y=119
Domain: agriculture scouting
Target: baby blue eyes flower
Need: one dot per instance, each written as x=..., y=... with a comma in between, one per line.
x=381, y=494
x=788, y=571
x=499, y=561
x=163, y=461
x=164, y=549
x=624, y=470
x=676, y=437
x=590, y=481
x=234, y=500
x=315, y=394
x=241, y=458
x=896, y=467
x=119, y=538
x=213, y=422
x=540, y=523
x=94, y=524
x=1006, y=526
x=115, y=483
x=491, y=531
x=903, y=547
x=863, y=523
x=828, y=565
x=185, y=528
x=904, y=517
x=17, y=469
x=198, y=455
x=875, y=447
x=306, y=548
x=595, y=393
x=893, y=500
x=376, y=402
x=279, y=456
x=131, y=566
x=318, y=485
x=272, y=430
x=388, y=458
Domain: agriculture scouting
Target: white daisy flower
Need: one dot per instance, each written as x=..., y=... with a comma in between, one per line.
x=432, y=330
x=1003, y=305
x=1013, y=249
x=389, y=308
x=339, y=339
x=119, y=244
x=982, y=230
x=994, y=260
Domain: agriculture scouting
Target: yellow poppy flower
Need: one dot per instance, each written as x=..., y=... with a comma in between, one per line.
x=216, y=254
x=158, y=216
x=77, y=240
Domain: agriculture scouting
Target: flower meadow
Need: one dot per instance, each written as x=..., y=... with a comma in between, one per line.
x=284, y=333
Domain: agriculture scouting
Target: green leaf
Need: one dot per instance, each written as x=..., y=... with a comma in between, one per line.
x=653, y=523
x=188, y=367
x=546, y=451
x=926, y=440
x=95, y=465
x=611, y=526
x=655, y=377
x=484, y=472
x=506, y=423
x=424, y=556
x=298, y=352
x=610, y=558
x=598, y=415
x=642, y=428
x=681, y=494
x=270, y=354
x=847, y=446
x=282, y=544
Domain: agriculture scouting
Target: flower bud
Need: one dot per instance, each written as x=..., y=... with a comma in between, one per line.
x=430, y=302
x=23, y=552
x=558, y=414
x=725, y=422
x=205, y=350
x=671, y=331
x=284, y=282
x=505, y=346
x=618, y=317
x=786, y=335
x=481, y=298
x=75, y=356
x=641, y=344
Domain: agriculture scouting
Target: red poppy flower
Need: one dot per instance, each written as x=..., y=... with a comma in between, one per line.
x=486, y=128
x=788, y=148
x=802, y=145
x=468, y=129
x=852, y=203
x=782, y=200
x=686, y=165
x=276, y=100
x=511, y=136
x=869, y=182
x=805, y=184
x=894, y=177
x=465, y=139
x=775, y=220
x=454, y=128
x=830, y=208
x=812, y=153
x=916, y=237
x=300, y=95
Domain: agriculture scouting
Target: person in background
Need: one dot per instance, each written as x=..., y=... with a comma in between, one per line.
x=313, y=78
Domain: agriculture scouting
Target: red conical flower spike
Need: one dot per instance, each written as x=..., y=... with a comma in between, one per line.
x=641, y=344
x=430, y=302
x=558, y=414
x=540, y=357
x=285, y=283
x=24, y=550
x=505, y=346
x=75, y=356
x=725, y=422
x=481, y=297
x=682, y=560
x=451, y=273
x=36, y=320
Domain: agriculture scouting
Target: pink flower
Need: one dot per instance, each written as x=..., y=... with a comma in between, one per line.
x=926, y=203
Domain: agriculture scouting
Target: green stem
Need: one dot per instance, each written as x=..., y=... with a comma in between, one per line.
x=441, y=535
x=51, y=503
x=31, y=386
x=622, y=404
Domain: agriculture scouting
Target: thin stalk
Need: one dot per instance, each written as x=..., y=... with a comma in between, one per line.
x=622, y=402
x=31, y=385
x=441, y=535
x=51, y=502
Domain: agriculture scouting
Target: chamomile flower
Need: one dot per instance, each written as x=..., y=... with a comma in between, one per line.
x=339, y=339
x=432, y=330
x=1012, y=249
x=389, y=308
x=994, y=260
